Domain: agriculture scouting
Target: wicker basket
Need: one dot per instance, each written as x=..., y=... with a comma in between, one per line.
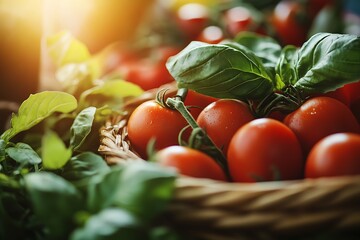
x=210, y=209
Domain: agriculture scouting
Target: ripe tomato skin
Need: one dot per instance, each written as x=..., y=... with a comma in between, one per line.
x=238, y=19
x=191, y=19
x=222, y=118
x=190, y=162
x=335, y=155
x=151, y=120
x=290, y=22
x=319, y=117
x=196, y=102
x=211, y=35
x=262, y=148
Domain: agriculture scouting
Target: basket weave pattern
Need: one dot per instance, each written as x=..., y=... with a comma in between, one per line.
x=219, y=210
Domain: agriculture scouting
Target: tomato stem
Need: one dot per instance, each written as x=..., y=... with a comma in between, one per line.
x=178, y=104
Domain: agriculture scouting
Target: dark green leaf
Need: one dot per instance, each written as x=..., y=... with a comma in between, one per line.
x=110, y=223
x=81, y=127
x=55, y=201
x=285, y=67
x=328, y=61
x=83, y=166
x=221, y=71
x=266, y=48
x=23, y=153
x=142, y=188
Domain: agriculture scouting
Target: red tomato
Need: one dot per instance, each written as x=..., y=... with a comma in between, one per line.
x=319, y=117
x=146, y=74
x=192, y=18
x=221, y=119
x=290, y=22
x=151, y=120
x=335, y=155
x=238, y=19
x=263, y=150
x=211, y=34
x=196, y=102
x=190, y=162
x=352, y=90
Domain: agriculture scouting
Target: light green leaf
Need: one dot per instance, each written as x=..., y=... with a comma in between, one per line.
x=54, y=152
x=23, y=153
x=64, y=48
x=113, y=89
x=81, y=127
x=221, y=70
x=2, y=149
x=38, y=107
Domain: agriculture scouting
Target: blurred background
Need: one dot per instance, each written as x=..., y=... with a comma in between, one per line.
x=146, y=33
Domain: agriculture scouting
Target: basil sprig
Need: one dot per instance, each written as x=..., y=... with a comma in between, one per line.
x=252, y=66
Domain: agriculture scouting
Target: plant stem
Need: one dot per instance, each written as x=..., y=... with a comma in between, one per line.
x=178, y=104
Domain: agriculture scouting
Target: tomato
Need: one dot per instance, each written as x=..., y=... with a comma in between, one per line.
x=335, y=155
x=190, y=162
x=191, y=19
x=264, y=149
x=238, y=19
x=151, y=120
x=319, y=117
x=352, y=90
x=290, y=22
x=146, y=74
x=221, y=119
x=196, y=102
x=315, y=6
x=211, y=34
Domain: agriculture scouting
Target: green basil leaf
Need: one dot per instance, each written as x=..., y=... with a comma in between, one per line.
x=55, y=201
x=81, y=127
x=266, y=48
x=110, y=223
x=285, y=67
x=82, y=167
x=54, y=152
x=63, y=48
x=113, y=89
x=328, y=61
x=2, y=150
x=140, y=187
x=38, y=107
x=221, y=71
x=23, y=153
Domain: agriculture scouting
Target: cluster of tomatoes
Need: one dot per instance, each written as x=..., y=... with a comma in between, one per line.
x=320, y=138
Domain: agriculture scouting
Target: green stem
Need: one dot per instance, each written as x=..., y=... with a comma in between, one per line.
x=178, y=104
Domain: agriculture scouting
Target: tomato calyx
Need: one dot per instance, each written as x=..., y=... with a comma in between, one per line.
x=285, y=101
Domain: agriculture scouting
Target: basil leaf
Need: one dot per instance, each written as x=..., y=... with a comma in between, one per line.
x=54, y=152
x=285, y=67
x=81, y=127
x=54, y=201
x=23, y=153
x=328, y=61
x=220, y=70
x=82, y=167
x=266, y=48
x=38, y=107
x=2, y=150
x=64, y=48
x=140, y=187
x=110, y=223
